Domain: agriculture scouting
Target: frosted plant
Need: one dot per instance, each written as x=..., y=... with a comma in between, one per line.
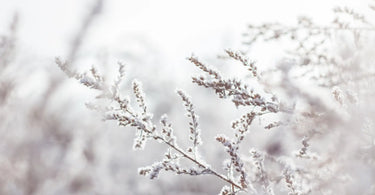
x=317, y=147
x=7, y=54
x=326, y=53
x=122, y=111
x=37, y=140
x=126, y=115
x=346, y=71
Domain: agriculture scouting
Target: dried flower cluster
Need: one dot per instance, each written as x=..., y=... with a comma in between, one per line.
x=305, y=171
x=239, y=92
x=126, y=115
x=296, y=161
x=286, y=138
x=312, y=45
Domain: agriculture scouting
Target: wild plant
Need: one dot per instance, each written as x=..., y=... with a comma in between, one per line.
x=36, y=139
x=320, y=141
x=7, y=54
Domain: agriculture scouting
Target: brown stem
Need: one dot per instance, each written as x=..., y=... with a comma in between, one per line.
x=199, y=163
x=156, y=137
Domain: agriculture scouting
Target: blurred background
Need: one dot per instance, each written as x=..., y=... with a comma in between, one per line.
x=52, y=144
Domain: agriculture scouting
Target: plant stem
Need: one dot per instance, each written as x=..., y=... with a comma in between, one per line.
x=199, y=163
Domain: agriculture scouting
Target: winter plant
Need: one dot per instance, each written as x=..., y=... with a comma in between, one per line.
x=315, y=107
x=344, y=121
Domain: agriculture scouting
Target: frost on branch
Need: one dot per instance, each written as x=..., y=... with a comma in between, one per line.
x=242, y=126
x=116, y=83
x=240, y=93
x=194, y=130
x=120, y=110
x=264, y=172
x=140, y=96
x=167, y=130
x=244, y=60
x=171, y=162
x=314, y=46
x=235, y=161
x=261, y=174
